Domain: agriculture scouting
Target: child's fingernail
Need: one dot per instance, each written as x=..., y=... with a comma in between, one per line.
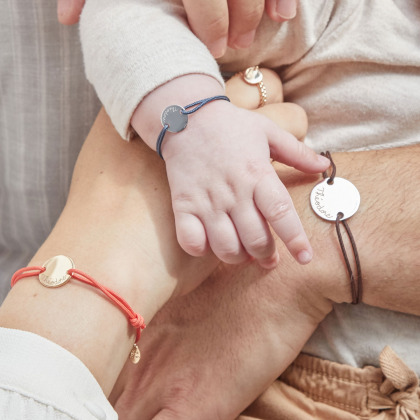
x=304, y=257
x=286, y=9
x=271, y=262
x=218, y=48
x=244, y=40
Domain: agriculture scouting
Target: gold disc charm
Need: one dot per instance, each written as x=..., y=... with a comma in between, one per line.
x=135, y=354
x=55, y=274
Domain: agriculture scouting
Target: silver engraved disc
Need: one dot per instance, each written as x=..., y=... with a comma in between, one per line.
x=329, y=200
x=55, y=274
x=253, y=75
x=173, y=116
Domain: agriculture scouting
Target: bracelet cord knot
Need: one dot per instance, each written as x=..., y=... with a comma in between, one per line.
x=136, y=320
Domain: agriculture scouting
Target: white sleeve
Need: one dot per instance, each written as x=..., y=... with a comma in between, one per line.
x=41, y=380
x=131, y=47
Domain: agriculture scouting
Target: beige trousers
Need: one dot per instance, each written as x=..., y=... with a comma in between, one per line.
x=313, y=388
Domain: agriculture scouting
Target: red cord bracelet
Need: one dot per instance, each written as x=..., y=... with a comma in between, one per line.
x=58, y=270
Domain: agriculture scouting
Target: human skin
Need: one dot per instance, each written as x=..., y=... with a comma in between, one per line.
x=118, y=229
x=230, y=146
x=218, y=23
x=230, y=215
x=211, y=353
x=124, y=238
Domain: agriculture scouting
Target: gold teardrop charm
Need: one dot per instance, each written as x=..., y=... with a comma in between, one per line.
x=135, y=354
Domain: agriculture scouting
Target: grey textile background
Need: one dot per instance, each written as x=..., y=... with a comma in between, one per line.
x=46, y=110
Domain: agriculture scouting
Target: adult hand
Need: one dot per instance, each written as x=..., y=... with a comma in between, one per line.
x=217, y=23
x=233, y=23
x=206, y=356
x=211, y=353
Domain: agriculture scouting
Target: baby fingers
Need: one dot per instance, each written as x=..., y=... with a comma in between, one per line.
x=216, y=230
x=191, y=234
x=223, y=239
x=255, y=234
x=275, y=204
x=285, y=148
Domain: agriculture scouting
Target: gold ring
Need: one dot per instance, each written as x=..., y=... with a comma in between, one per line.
x=253, y=76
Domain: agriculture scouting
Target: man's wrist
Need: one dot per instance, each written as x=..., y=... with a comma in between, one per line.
x=326, y=275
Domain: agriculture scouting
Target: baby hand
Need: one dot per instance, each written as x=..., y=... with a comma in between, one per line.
x=225, y=192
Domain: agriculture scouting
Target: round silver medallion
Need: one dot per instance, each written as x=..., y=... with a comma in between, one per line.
x=253, y=75
x=173, y=116
x=340, y=197
x=55, y=274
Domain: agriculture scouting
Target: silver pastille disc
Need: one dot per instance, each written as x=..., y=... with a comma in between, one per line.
x=253, y=75
x=327, y=200
x=173, y=116
x=55, y=274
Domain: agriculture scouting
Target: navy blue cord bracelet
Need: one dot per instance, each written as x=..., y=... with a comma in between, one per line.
x=175, y=118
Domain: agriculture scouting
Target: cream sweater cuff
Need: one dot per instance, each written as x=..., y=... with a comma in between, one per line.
x=131, y=47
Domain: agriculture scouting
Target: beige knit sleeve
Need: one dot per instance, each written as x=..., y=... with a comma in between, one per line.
x=130, y=47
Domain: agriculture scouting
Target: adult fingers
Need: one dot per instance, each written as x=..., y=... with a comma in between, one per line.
x=209, y=20
x=285, y=148
x=281, y=10
x=275, y=204
x=244, y=17
x=68, y=11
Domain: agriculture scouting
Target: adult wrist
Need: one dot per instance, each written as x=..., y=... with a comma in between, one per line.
x=326, y=275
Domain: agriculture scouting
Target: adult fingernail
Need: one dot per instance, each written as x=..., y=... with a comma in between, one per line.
x=244, y=40
x=218, y=48
x=286, y=9
x=304, y=257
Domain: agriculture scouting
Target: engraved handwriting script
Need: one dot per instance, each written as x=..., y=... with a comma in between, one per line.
x=53, y=281
x=318, y=199
x=170, y=109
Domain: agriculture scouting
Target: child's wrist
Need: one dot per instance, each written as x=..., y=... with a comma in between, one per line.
x=182, y=91
x=201, y=133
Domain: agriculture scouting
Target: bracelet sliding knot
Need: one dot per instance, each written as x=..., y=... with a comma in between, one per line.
x=58, y=270
x=175, y=118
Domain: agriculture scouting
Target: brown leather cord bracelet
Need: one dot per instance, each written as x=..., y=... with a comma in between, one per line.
x=336, y=199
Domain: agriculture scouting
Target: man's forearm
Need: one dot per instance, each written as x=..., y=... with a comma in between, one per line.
x=385, y=228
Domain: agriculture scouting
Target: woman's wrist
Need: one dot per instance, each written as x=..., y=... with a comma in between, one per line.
x=116, y=227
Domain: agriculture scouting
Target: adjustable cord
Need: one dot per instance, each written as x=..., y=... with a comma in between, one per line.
x=175, y=118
